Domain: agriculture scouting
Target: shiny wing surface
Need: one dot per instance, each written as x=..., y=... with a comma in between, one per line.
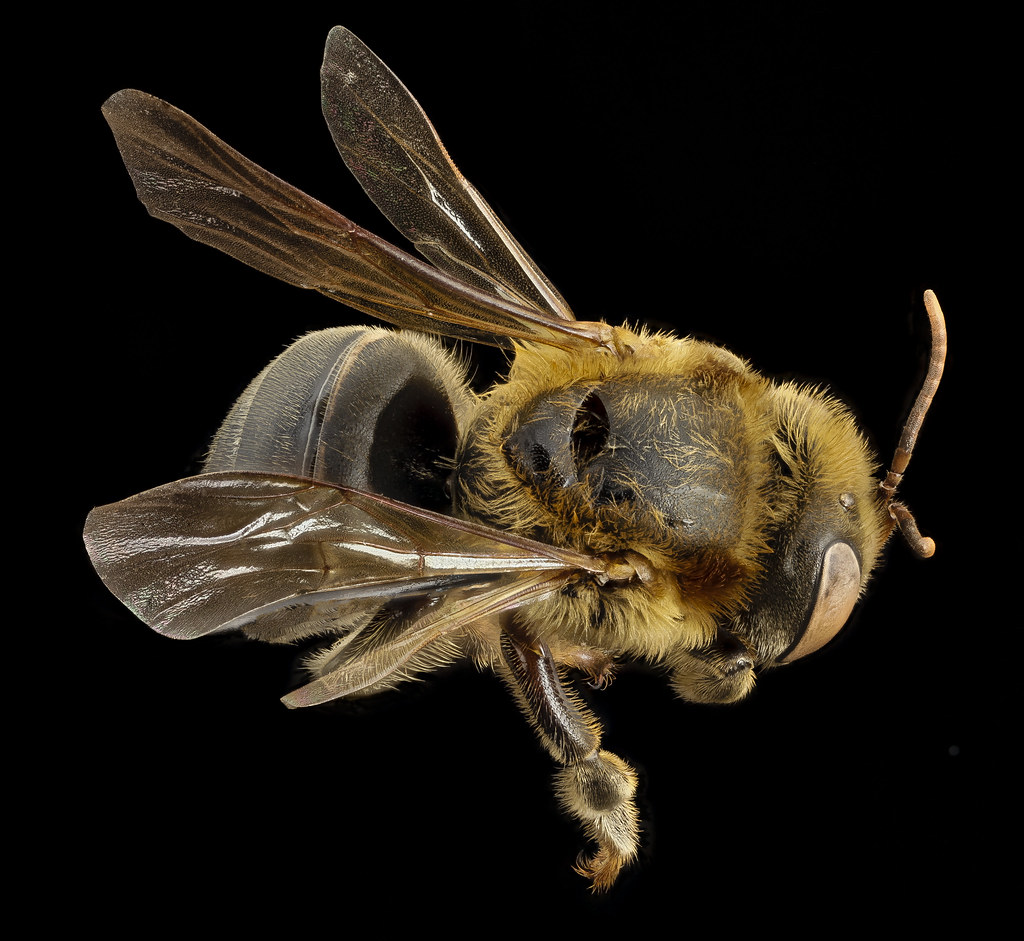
x=391, y=147
x=221, y=552
x=187, y=176
x=457, y=608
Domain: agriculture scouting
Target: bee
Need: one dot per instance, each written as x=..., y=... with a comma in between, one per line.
x=621, y=494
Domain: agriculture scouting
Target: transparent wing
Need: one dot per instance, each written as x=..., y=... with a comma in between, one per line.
x=457, y=608
x=187, y=176
x=220, y=552
x=391, y=147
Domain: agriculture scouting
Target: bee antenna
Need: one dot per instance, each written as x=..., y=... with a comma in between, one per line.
x=898, y=513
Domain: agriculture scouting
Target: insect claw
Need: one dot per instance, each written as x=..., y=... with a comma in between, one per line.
x=602, y=680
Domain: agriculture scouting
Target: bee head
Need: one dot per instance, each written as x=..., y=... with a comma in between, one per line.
x=831, y=520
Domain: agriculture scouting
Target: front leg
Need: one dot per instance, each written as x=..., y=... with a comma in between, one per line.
x=597, y=664
x=720, y=672
x=594, y=786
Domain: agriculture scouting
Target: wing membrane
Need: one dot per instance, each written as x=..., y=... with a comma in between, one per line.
x=187, y=176
x=458, y=608
x=391, y=147
x=220, y=552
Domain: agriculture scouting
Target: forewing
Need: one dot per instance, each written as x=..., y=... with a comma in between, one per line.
x=220, y=552
x=187, y=176
x=391, y=147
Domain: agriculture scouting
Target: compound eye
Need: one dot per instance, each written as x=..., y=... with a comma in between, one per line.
x=838, y=590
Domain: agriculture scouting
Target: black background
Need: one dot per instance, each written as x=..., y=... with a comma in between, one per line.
x=786, y=183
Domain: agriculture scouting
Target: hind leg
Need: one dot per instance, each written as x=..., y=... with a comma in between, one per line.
x=594, y=786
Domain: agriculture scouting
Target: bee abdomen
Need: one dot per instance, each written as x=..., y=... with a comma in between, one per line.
x=354, y=406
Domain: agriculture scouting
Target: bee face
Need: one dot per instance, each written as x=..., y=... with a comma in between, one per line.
x=830, y=525
x=621, y=495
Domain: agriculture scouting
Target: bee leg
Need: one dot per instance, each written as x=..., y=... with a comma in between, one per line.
x=593, y=785
x=596, y=663
x=721, y=672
